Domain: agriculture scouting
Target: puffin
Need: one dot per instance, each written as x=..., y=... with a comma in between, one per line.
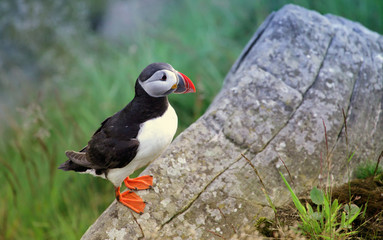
x=135, y=136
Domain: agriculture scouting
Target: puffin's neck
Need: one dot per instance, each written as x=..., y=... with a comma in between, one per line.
x=148, y=106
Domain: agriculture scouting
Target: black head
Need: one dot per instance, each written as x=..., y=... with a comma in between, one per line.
x=152, y=68
x=161, y=79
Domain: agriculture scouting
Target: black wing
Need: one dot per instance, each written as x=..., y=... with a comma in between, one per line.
x=114, y=144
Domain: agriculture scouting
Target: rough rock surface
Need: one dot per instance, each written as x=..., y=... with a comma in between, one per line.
x=299, y=70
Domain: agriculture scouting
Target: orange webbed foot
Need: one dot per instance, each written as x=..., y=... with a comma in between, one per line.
x=139, y=183
x=131, y=200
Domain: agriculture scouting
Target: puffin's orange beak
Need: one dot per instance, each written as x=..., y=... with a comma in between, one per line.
x=185, y=85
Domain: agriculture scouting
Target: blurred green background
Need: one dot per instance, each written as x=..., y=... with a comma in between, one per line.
x=67, y=65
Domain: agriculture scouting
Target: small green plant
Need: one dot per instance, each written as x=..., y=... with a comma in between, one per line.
x=331, y=220
x=366, y=170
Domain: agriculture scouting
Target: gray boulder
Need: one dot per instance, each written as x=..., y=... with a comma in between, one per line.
x=296, y=74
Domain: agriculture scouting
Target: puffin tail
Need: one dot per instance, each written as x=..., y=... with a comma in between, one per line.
x=77, y=162
x=71, y=166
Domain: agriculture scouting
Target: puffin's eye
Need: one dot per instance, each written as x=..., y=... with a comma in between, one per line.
x=163, y=77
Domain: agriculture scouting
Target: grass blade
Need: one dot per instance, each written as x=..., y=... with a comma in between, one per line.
x=296, y=201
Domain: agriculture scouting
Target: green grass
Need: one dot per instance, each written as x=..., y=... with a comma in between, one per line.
x=40, y=202
x=366, y=170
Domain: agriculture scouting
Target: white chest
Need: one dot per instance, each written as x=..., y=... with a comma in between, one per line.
x=155, y=135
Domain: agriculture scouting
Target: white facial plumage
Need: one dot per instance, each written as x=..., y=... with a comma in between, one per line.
x=161, y=83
